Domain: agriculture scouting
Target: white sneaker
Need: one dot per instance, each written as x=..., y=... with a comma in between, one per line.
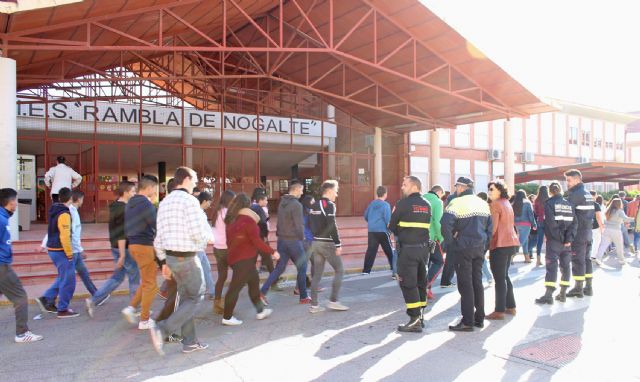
x=146, y=325
x=335, y=305
x=28, y=337
x=232, y=321
x=90, y=306
x=315, y=309
x=129, y=314
x=264, y=314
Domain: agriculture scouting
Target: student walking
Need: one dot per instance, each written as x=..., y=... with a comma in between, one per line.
x=10, y=284
x=125, y=264
x=220, y=250
x=244, y=242
x=205, y=199
x=615, y=217
x=524, y=221
x=326, y=246
x=140, y=230
x=503, y=245
x=538, y=212
x=61, y=253
x=436, y=260
x=182, y=230
x=377, y=216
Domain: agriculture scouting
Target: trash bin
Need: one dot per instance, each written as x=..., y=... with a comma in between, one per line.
x=24, y=214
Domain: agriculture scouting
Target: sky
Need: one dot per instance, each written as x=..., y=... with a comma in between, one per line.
x=584, y=51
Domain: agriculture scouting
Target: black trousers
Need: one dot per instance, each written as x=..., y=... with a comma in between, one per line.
x=469, y=272
x=412, y=271
x=244, y=273
x=449, y=268
x=374, y=240
x=580, y=258
x=557, y=252
x=11, y=287
x=588, y=265
x=436, y=261
x=500, y=261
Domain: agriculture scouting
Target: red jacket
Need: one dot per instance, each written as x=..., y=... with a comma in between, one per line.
x=504, y=234
x=243, y=238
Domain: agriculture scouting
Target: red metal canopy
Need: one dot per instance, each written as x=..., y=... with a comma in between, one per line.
x=391, y=64
x=623, y=173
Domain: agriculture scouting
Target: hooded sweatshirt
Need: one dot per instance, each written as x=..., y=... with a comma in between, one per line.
x=6, y=254
x=140, y=221
x=59, y=229
x=290, y=220
x=243, y=237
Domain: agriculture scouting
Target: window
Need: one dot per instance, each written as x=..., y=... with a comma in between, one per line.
x=481, y=176
x=445, y=137
x=463, y=136
x=462, y=168
x=445, y=174
x=573, y=135
x=420, y=168
x=419, y=137
x=498, y=134
x=619, y=137
x=585, y=132
x=597, y=139
x=481, y=135
x=561, y=134
x=546, y=133
x=609, y=138
x=531, y=129
x=498, y=170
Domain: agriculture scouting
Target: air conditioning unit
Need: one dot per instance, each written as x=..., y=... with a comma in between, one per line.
x=583, y=160
x=494, y=154
x=528, y=157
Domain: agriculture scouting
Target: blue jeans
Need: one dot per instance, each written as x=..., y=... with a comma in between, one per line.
x=485, y=270
x=83, y=272
x=294, y=250
x=523, y=236
x=65, y=283
x=625, y=238
x=636, y=240
x=187, y=272
x=540, y=240
x=130, y=268
x=206, y=270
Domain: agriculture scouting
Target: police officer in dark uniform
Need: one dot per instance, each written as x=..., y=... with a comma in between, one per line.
x=409, y=223
x=583, y=203
x=560, y=227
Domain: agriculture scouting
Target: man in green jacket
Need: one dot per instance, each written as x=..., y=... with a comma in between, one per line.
x=434, y=197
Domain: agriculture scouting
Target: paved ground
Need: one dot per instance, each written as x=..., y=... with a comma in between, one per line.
x=592, y=339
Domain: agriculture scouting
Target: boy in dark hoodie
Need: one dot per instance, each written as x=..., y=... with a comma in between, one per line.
x=258, y=205
x=61, y=253
x=140, y=230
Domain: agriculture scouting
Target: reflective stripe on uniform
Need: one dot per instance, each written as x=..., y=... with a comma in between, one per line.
x=550, y=284
x=588, y=276
x=414, y=225
x=565, y=218
x=423, y=304
x=413, y=305
x=578, y=278
x=590, y=207
x=564, y=283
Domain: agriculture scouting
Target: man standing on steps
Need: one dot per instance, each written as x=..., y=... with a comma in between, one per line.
x=583, y=203
x=410, y=224
x=125, y=265
x=326, y=246
x=140, y=230
x=61, y=176
x=290, y=232
x=377, y=216
x=10, y=284
x=436, y=261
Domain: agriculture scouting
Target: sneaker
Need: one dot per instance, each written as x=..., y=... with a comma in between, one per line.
x=315, y=309
x=104, y=300
x=156, y=339
x=264, y=314
x=28, y=337
x=146, y=325
x=365, y=273
x=264, y=300
x=172, y=339
x=68, y=314
x=88, y=303
x=232, y=321
x=596, y=261
x=129, y=314
x=46, y=307
x=452, y=285
x=195, y=347
x=305, y=300
x=335, y=305
x=394, y=276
